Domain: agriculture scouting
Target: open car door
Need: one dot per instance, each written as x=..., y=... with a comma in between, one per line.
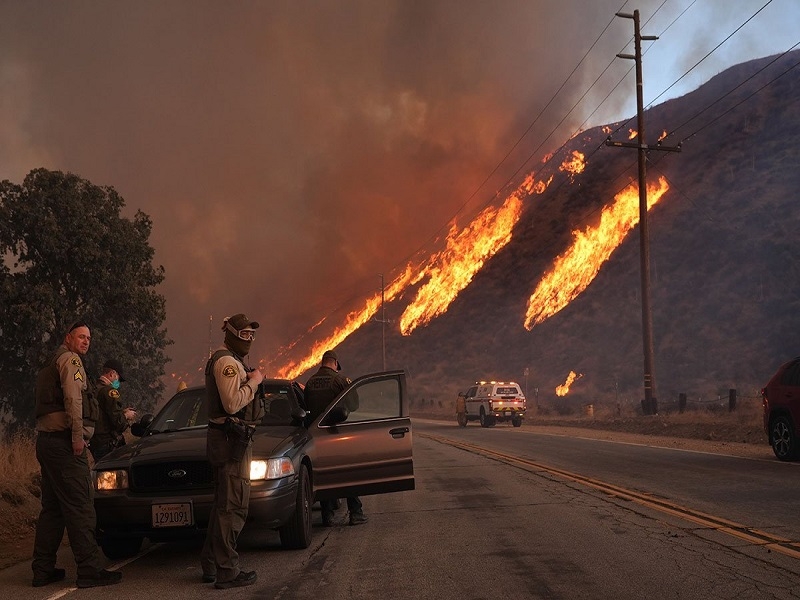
x=362, y=441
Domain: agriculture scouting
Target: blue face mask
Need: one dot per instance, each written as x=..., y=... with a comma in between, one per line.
x=115, y=384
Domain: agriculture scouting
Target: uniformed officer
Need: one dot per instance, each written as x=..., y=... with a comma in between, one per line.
x=232, y=414
x=320, y=390
x=65, y=415
x=113, y=419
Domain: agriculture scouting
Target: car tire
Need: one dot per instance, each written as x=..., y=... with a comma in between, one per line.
x=296, y=533
x=784, y=441
x=117, y=548
x=461, y=418
x=484, y=419
x=516, y=421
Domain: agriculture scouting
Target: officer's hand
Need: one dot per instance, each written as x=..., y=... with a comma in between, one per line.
x=77, y=448
x=129, y=413
x=256, y=376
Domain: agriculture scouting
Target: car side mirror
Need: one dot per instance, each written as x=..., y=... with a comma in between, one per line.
x=141, y=426
x=337, y=415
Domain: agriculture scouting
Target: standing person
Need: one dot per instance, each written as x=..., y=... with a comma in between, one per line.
x=232, y=415
x=113, y=419
x=65, y=415
x=320, y=391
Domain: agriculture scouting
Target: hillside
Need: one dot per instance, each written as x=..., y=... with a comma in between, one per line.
x=725, y=284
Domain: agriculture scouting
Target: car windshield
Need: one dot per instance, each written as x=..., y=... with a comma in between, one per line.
x=189, y=408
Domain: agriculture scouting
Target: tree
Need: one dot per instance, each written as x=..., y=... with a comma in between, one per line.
x=68, y=255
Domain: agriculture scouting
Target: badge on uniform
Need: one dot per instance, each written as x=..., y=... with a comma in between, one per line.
x=76, y=361
x=112, y=393
x=229, y=371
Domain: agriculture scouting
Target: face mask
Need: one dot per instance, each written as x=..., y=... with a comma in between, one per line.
x=115, y=384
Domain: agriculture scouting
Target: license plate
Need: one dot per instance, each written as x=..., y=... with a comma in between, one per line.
x=178, y=514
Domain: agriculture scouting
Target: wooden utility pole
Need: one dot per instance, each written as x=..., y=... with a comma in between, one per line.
x=650, y=403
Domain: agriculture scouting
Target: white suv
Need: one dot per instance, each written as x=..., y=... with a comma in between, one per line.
x=490, y=402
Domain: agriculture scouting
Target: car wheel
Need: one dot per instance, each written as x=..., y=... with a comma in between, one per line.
x=462, y=419
x=784, y=442
x=484, y=419
x=516, y=422
x=296, y=533
x=121, y=547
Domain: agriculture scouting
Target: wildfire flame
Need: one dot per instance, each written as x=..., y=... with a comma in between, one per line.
x=606, y=129
x=573, y=164
x=353, y=321
x=663, y=135
x=563, y=390
x=632, y=133
x=577, y=267
x=452, y=269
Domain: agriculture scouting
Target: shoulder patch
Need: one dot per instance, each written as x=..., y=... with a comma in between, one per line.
x=229, y=371
x=76, y=361
x=112, y=393
x=78, y=376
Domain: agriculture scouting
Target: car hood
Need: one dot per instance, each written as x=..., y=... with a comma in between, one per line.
x=191, y=444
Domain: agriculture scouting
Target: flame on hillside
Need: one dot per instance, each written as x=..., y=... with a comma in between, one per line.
x=663, y=135
x=575, y=163
x=632, y=133
x=353, y=321
x=577, y=267
x=448, y=272
x=466, y=251
x=563, y=390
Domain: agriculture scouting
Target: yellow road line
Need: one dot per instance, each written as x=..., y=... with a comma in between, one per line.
x=748, y=534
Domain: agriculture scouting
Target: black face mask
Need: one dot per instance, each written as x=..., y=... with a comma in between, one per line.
x=237, y=345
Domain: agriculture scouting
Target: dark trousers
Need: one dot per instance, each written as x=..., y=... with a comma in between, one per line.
x=67, y=503
x=229, y=511
x=354, y=507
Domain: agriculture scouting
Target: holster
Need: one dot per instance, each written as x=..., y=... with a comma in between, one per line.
x=239, y=437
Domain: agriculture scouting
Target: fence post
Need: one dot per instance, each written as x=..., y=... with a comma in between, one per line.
x=731, y=400
x=681, y=402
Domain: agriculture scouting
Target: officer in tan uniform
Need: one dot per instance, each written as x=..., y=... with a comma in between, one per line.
x=65, y=416
x=232, y=415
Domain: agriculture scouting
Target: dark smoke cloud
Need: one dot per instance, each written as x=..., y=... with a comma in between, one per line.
x=289, y=152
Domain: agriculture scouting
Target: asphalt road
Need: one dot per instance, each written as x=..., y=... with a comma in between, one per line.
x=541, y=516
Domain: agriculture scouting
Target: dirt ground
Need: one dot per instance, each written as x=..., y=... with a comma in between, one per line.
x=736, y=434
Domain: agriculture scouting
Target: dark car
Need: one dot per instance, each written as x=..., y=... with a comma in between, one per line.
x=160, y=486
x=781, y=400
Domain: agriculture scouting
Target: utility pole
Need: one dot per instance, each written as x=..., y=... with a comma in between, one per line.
x=383, y=322
x=650, y=403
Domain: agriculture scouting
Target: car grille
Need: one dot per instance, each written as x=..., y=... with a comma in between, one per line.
x=178, y=475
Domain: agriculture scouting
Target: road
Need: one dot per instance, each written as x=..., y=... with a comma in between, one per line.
x=508, y=513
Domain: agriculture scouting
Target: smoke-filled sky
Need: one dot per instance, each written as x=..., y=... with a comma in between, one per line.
x=289, y=152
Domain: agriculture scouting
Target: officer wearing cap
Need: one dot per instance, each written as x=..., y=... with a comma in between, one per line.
x=113, y=419
x=231, y=389
x=320, y=390
x=65, y=415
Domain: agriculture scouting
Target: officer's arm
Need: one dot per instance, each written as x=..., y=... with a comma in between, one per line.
x=233, y=393
x=73, y=382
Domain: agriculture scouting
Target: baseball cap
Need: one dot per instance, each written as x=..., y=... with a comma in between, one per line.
x=113, y=363
x=331, y=354
x=239, y=321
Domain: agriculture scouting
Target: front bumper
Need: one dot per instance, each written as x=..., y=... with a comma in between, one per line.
x=127, y=514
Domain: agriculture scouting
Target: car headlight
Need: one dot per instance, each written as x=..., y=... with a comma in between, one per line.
x=111, y=480
x=274, y=468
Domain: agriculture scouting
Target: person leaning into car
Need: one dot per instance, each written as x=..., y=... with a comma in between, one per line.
x=231, y=389
x=320, y=390
x=113, y=419
x=65, y=416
